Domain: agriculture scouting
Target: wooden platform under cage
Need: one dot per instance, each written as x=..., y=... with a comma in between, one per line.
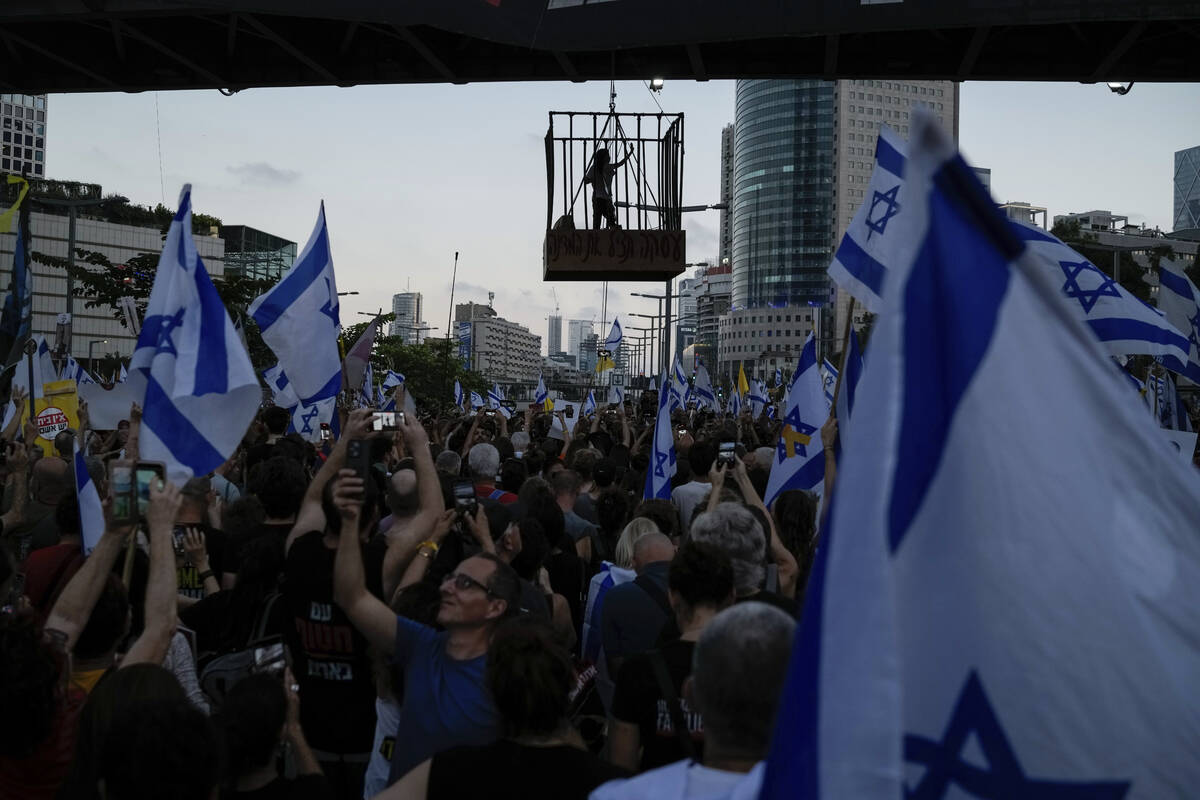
x=613, y=254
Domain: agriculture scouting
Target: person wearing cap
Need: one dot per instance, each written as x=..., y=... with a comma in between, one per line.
x=504, y=528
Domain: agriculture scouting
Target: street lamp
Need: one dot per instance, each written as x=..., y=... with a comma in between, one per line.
x=665, y=344
x=91, y=360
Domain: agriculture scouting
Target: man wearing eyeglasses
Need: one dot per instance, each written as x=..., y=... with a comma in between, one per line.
x=445, y=703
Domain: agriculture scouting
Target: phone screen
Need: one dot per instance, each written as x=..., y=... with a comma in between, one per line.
x=121, y=483
x=145, y=475
x=384, y=420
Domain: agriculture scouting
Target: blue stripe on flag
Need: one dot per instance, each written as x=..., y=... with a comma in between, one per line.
x=1027, y=233
x=212, y=361
x=861, y=265
x=942, y=355
x=889, y=157
x=1118, y=329
x=177, y=433
x=793, y=763
x=1176, y=283
x=296, y=283
x=331, y=387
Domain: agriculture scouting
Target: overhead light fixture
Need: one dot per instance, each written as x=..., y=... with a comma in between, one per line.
x=1120, y=88
x=656, y=84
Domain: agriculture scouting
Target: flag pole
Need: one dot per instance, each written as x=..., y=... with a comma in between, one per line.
x=837, y=387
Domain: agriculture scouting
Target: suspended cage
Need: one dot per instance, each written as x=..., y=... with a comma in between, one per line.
x=614, y=185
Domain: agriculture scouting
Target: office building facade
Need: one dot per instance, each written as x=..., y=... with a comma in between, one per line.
x=554, y=335
x=23, y=134
x=803, y=157
x=409, y=324
x=726, y=249
x=1187, y=190
x=501, y=350
x=252, y=253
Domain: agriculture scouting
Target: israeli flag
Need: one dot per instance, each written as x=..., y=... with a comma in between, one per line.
x=495, y=398
x=91, y=512
x=43, y=369
x=201, y=393
x=589, y=405
x=829, y=375
x=860, y=264
x=299, y=320
x=616, y=395
x=735, y=404
x=678, y=385
x=994, y=621
x=458, y=394
x=125, y=373
x=662, y=454
x=307, y=418
x=614, y=337
x=1118, y=319
x=799, y=455
x=73, y=371
x=849, y=390
x=281, y=389
x=392, y=380
x=366, y=394
x=778, y=377
x=476, y=400
x=772, y=412
x=703, y=390
x=757, y=398
x=540, y=395
x=1179, y=301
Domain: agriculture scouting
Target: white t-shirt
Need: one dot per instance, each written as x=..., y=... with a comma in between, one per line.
x=387, y=719
x=686, y=498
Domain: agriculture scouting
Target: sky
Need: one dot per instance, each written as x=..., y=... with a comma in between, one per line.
x=411, y=174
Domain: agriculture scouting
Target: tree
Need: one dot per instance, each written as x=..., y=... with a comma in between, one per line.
x=429, y=369
x=101, y=284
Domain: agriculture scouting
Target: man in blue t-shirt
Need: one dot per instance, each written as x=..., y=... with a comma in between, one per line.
x=445, y=703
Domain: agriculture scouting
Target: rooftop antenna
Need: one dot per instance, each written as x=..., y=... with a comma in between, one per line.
x=491, y=296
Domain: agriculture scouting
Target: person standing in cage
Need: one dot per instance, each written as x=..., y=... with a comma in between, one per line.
x=600, y=176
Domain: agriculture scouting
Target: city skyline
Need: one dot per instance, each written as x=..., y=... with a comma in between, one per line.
x=417, y=193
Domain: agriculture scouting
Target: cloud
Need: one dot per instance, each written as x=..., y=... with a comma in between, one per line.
x=260, y=172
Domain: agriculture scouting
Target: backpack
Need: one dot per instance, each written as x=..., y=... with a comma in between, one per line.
x=221, y=673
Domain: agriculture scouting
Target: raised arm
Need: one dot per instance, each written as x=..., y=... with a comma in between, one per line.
x=402, y=548
x=829, y=433
x=74, y=606
x=135, y=429
x=626, y=435
x=789, y=571
x=367, y=612
x=470, y=440
x=162, y=587
x=311, y=517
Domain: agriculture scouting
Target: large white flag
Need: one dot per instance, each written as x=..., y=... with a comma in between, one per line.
x=1017, y=619
x=662, y=453
x=299, y=320
x=201, y=392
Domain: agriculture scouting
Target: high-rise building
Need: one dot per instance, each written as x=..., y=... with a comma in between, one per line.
x=23, y=134
x=252, y=253
x=803, y=157
x=686, y=290
x=726, y=194
x=409, y=324
x=1187, y=189
x=577, y=331
x=554, y=335
x=503, y=351
x=712, y=302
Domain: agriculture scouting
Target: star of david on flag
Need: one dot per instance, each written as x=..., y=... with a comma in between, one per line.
x=799, y=456
x=877, y=222
x=662, y=453
x=200, y=390
x=1117, y=318
x=1015, y=622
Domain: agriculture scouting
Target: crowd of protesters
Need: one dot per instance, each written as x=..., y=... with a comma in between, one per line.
x=469, y=605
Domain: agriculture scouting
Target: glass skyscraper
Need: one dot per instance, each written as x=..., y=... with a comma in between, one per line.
x=1187, y=189
x=783, y=192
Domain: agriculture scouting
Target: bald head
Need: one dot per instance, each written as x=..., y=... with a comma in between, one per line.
x=402, y=496
x=652, y=548
x=51, y=480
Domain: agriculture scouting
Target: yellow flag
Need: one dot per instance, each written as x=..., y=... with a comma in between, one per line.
x=743, y=386
x=605, y=363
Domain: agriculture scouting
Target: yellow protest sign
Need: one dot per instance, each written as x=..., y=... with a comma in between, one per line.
x=56, y=411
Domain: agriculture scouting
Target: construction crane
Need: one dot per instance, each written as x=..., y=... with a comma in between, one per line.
x=554, y=292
